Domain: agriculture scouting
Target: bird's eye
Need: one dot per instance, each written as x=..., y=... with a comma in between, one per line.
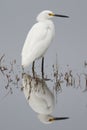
x=50, y=14
x=51, y=119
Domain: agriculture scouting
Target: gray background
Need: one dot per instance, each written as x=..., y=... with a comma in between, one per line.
x=16, y=18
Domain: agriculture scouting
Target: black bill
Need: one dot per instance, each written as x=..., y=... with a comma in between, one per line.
x=59, y=15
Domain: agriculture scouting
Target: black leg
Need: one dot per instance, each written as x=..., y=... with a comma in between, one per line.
x=22, y=71
x=33, y=64
x=42, y=67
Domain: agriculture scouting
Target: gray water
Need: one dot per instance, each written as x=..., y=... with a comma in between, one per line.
x=16, y=18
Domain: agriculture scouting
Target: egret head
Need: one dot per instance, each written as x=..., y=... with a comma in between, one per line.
x=46, y=14
x=48, y=119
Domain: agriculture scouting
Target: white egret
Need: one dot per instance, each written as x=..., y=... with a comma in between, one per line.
x=40, y=98
x=39, y=38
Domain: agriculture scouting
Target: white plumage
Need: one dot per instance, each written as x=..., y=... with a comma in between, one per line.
x=39, y=38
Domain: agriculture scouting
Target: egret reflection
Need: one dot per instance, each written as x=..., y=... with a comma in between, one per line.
x=40, y=98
